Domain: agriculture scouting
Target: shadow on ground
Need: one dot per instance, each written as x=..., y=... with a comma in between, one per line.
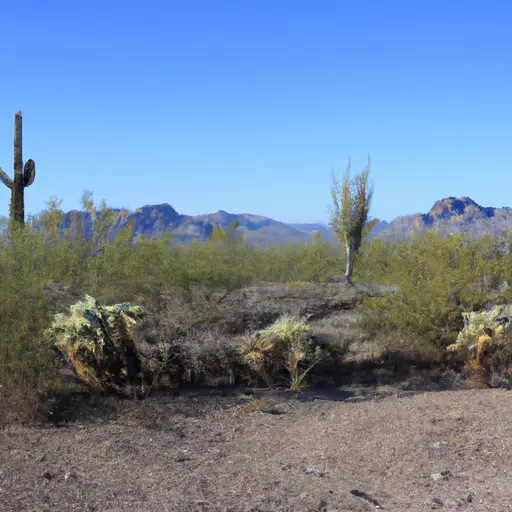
x=357, y=382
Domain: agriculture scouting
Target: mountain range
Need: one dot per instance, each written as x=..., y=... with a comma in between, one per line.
x=450, y=216
x=447, y=216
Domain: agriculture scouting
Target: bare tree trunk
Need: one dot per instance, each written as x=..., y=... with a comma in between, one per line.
x=351, y=253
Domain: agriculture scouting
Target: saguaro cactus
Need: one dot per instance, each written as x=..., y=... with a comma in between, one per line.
x=23, y=176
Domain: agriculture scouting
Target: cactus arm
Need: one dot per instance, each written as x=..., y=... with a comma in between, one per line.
x=29, y=173
x=5, y=179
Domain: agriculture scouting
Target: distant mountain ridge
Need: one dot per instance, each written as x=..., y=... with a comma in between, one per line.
x=447, y=216
x=151, y=220
x=453, y=215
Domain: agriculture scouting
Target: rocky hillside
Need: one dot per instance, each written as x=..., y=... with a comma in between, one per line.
x=453, y=215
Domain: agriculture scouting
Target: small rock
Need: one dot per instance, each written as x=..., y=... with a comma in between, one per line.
x=69, y=474
x=434, y=503
x=313, y=471
x=322, y=506
x=286, y=466
x=366, y=497
x=436, y=445
x=443, y=475
x=47, y=475
x=181, y=458
x=42, y=458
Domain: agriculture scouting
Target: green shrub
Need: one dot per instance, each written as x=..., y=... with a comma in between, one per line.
x=438, y=278
x=28, y=365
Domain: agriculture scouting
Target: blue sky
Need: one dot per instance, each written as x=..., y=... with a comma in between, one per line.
x=249, y=105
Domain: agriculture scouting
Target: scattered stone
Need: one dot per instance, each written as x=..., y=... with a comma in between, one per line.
x=286, y=466
x=443, y=475
x=47, y=475
x=434, y=503
x=322, y=506
x=181, y=458
x=313, y=471
x=366, y=497
x=70, y=474
x=436, y=445
x=257, y=508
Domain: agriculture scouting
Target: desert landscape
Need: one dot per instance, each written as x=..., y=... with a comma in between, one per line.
x=380, y=434
x=255, y=256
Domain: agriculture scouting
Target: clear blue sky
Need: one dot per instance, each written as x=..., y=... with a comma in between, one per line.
x=248, y=105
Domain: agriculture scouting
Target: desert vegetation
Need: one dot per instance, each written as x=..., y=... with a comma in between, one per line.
x=349, y=217
x=131, y=315
x=90, y=310
x=202, y=303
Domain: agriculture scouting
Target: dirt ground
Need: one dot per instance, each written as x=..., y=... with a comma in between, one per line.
x=267, y=451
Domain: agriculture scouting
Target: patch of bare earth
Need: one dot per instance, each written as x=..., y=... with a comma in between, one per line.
x=446, y=450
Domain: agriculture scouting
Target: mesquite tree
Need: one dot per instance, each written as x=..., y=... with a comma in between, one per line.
x=23, y=176
x=349, y=217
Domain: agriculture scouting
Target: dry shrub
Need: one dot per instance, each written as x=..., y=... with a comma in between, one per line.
x=197, y=353
x=211, y=359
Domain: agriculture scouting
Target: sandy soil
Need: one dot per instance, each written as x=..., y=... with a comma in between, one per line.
x=227, y=451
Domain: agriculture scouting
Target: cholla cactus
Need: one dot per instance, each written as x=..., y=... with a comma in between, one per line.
x=490, y=323
x=481, y=331
x=284, y=346
x=97, y=342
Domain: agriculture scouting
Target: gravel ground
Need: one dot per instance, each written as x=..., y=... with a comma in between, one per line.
x=227, y=451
